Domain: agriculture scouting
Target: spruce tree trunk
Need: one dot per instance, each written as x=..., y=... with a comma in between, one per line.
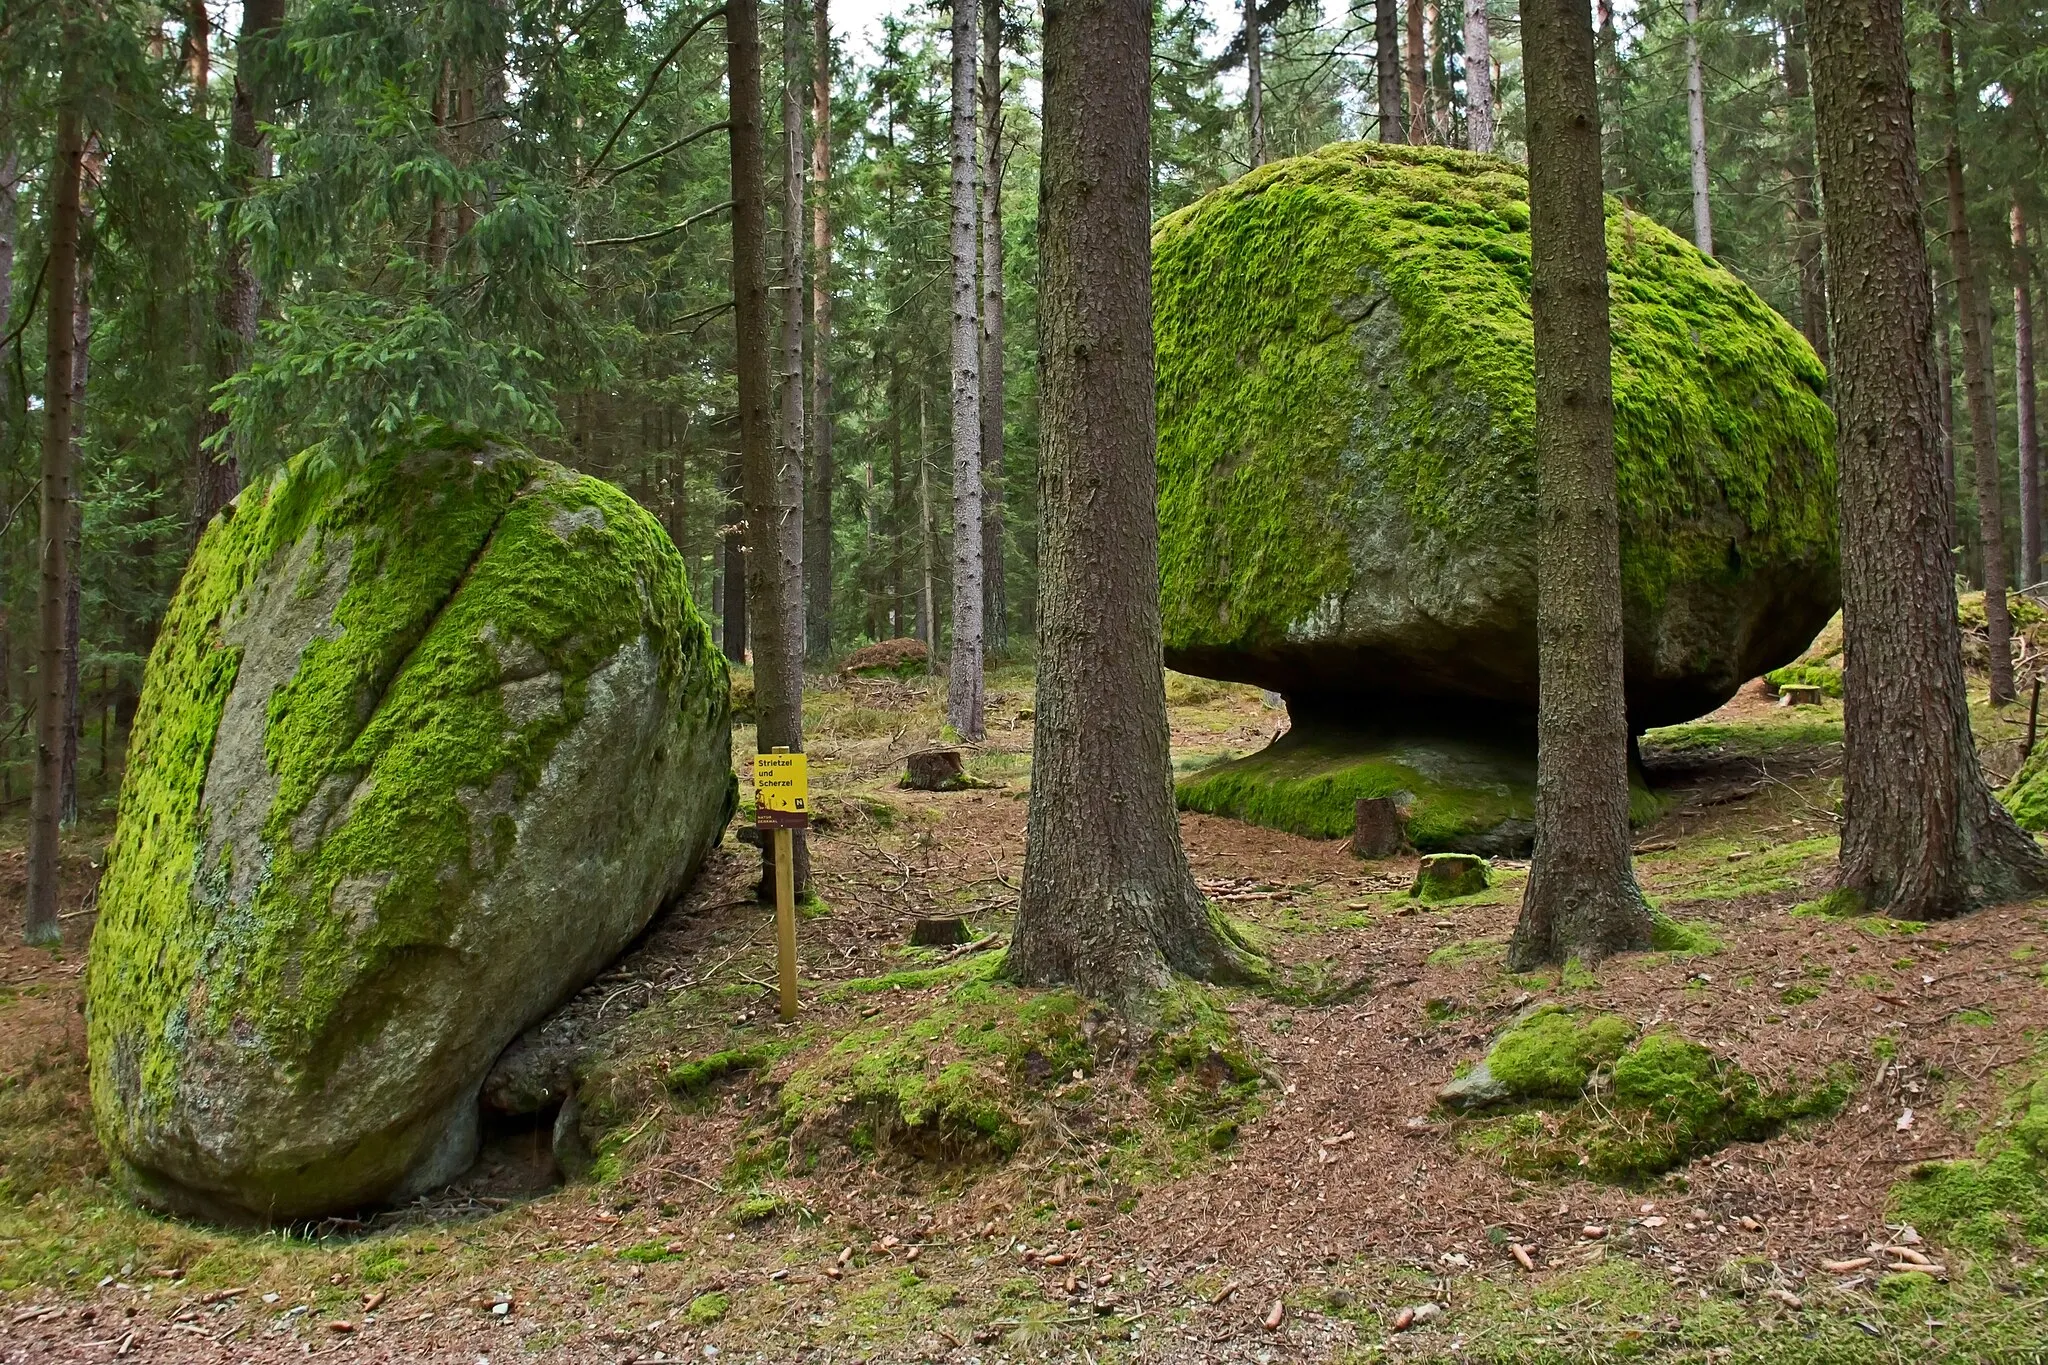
x=58, y=471
x=1696, y=131
x=2024, y=398
x=1922, y=836
x=81, y=367
x=1386, y=37
x=995, y=626
x=1806, y=242
x=927, y=540
x=1974, y=314
x=771, y=475
x=818, y=542
x=790, y=428
x=1109, y=905
x=1418, y=77
x=1582, y=898
x=10, y=201
x=964, y=675
x=1478, y=77
x=239, y=306
x=1254, y=86
x=732, y=609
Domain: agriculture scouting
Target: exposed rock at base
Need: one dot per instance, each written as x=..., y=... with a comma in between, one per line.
x=1465, y=787
x=1347, y=457
x=417, y=754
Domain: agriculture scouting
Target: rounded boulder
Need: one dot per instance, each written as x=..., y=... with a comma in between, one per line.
x=1347, y=472
x=419, y=751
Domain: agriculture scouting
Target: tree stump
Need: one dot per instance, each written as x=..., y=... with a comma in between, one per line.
x=940, y=933
x=1446, y=876
x=1376, y=828
x=1799, y=694
x=934, y=770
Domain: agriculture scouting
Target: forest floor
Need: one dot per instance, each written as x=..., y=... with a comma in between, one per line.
x=930, y=1165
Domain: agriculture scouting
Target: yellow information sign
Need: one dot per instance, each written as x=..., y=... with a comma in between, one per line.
x=782, y=791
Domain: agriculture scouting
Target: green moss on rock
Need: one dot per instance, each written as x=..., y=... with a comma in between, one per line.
x=1652, y=1108
x=350, y=731
x=1555, y=1051
x=1346, y=420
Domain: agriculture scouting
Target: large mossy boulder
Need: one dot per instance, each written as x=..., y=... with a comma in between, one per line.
x=418, y=752
x=1347, y=481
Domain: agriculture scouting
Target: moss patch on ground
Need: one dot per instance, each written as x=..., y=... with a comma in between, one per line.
x=954, y=1083
x=1996, y=1202
x=1641, y=1112
x=1457, y=792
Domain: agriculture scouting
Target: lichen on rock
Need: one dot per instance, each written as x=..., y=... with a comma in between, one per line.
x=417, y=752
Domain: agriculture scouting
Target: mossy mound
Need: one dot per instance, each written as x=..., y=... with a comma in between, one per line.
x=1549, y=1052
x=1466, y=788
x=418, y=752
x=969, y=1078
x=1636, y=1114
x=1346, y=445
x=953, y=1085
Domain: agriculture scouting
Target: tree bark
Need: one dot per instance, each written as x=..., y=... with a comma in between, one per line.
x=995, y=605
x=81, y=367
x=1696, y=131
x=1582, y=898
x=1973, y=312
x=790, y=428
x=770, y=475
x=1386, y=37
x=10, y=203
x=964, y=672
x=2024, y=398
x=1254, y=86
x=239, y=306
x=1478, y=77
x=1806, y=227
x=59, y=463
x=1922, y=836
x=1418, y=77
x=1108, y=905
x=818, y=543
x=733, y=566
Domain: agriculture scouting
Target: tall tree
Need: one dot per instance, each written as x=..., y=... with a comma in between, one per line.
x=790, y=424
x=1973, y=312
x=995, y=600
x=1386, y=61
x=59, y=472
x=1254, y=86
x=1813, y=298
x=964, y=674
x=769, y=471
x=1478, y=77
x=239, y=302
x=732, y=549
x=1109, y=904
x=1922, y=836
x=818, y=540
x=1418, y=77
x=1696, y=132
x=2024, y=396
x=1582, y=897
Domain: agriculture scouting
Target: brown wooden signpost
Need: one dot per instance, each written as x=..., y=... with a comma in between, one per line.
x=782, y=801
